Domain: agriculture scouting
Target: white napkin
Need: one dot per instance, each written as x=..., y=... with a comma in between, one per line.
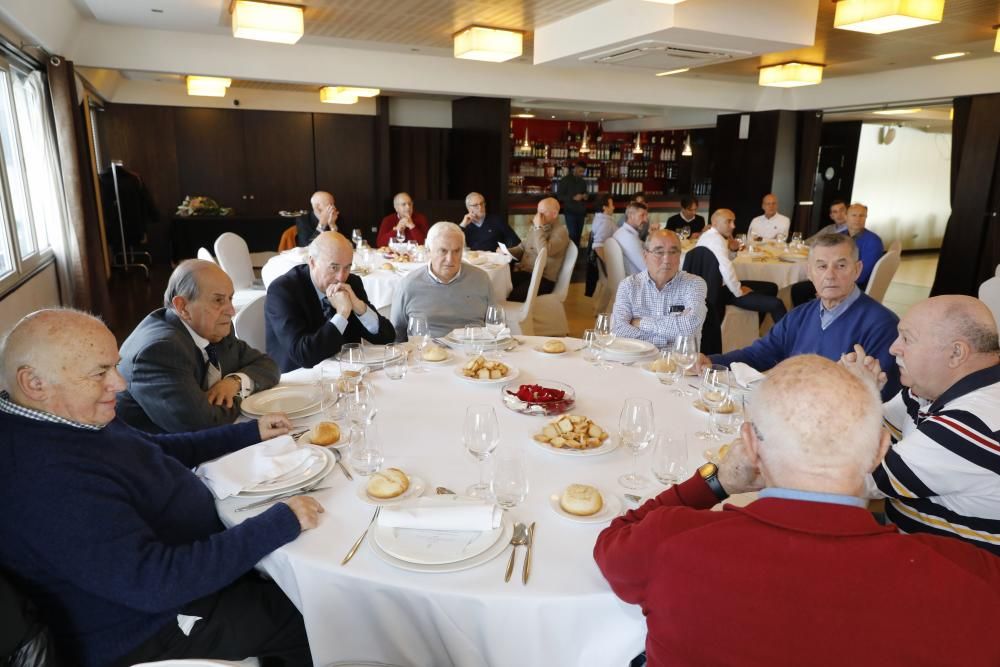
x=248, y=467
x=481, y=333
x=745, y=375
x=442, y=513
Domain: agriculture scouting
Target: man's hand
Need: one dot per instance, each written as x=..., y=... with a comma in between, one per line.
x=272, y=425
x=864, y=366
x=744, y=290
x=223, y=392
x=357, y=305
x=404, y=223
x=580, y=197
x=328, y=218
x=736, y=473
x=733, y=244
x=340, y=300
x=307, y=510
x=466, y=221
x=635, y=321
x=702, y=363
x=538, y=221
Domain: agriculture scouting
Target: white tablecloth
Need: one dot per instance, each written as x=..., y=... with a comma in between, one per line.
x=381, y=284
x=566, y=615
x=766, y=266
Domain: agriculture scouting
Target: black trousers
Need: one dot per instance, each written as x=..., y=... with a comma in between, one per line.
x=249, y=618
x=574, y=225
x=763, y=299
x=521, y=281
x=802, y=292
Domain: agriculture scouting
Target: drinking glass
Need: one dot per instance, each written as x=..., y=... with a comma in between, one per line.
x=684, y=233
x=356, y=237
x=605, y=337
x=796, y=239
x=361, y=404
x=590, y=350
x=510, y=480
x=474, y=339
x=727, y=424
x=670, y=458
x=395, y=362
x=780, y=237
x=365, y=451
x=635, y=430
x=480, y=435
x=714, y=393
x=496, y=321
x=686, y=355
x=673, y=371
x=416, y=331
x=352, y=364
x=742, y=240
x=329, y=393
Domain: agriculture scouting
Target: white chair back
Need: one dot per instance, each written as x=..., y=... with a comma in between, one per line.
x=519, y=315
x=234, y=258
x=203, y=253
x=881, y=276
x=200, y=662
x=249, y=323
x=614, y=259
x=989, y=293
x=565, y=272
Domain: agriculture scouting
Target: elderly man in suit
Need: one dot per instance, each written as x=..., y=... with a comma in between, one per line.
x=315, y=308
x=322, y=218
x=186, y=370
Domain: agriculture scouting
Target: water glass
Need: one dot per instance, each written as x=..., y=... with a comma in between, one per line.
x=510, y=480
x=668, y=371
x=727, y=424
x=395, y=362
x=742, y=240
x=360, y=406
x=714, y=393
x=670, y=458
x=636, y=430
x=417, y=333
x=474, y=340
x=686, y=355
x=480, y=435
x=590, y=351
x=605, y=337
x=365, y=451
x=400, y=236
x=329, y=393
x=356, y=237
x=352, y=365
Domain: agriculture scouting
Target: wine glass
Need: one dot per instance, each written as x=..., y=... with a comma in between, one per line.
x=400, y=236
x=416, y=332
x=727, y=424
x=605, y=337
x=365, y=450
x=496, y=322
x=796, y=239
x=684, y=233
x=361, y=404
x=670, y=458
x=742, y=240
x=509, y=485
x=780, y=237
x=635, y=430
x=667, y=370
x=481, y=435
x=686, y=355
x=356, y=237
x=329, y=393
x=714, y=393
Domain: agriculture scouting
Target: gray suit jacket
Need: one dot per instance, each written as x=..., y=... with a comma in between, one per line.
x=165, y=369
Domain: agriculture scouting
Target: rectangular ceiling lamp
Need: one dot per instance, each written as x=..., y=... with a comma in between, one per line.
x=667, y=2
x=336, y=95
x=489, y=44
x=348, y=91
x=881, y=16
x=267, y=21
x=208, y=86
x=790, y=75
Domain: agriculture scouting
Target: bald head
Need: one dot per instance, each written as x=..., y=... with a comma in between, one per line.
x=320, y=201
x=724, y=222
x=548, y=209
x=770, y=204
x=403, y=204
x=330, y=258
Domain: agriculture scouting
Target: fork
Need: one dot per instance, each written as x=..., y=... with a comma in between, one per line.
x=354, y=548
x=282, y=496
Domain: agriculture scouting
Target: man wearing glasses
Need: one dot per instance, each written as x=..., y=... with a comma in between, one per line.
x=662, y=302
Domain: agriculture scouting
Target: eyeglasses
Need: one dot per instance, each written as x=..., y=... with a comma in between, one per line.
x=660, y=254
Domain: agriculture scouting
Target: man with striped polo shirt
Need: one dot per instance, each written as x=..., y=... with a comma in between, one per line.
x=942, y=474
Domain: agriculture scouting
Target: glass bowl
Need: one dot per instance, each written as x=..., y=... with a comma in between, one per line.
x=508, y=393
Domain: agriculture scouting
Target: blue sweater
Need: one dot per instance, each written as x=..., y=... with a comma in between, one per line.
x=113, y=534
x=870, y=250
x=865, y=322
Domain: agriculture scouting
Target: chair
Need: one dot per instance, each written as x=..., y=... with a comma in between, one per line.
x=234, y=258
x=287, y=241
x=615, y=263
x=549, y=318
x=989, y=293
x=519, y=317
x=882, y=273
x=249, y=323
x=727, y=327
x=200, y=662
x=602, y=293
x=203, y=253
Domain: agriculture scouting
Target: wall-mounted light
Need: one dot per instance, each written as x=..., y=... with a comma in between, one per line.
x=686, y=151
x=349, y=91
x=208, y=86
x=790, y=75
x=526, y=145
x=949, y=56
x=637, y=149
x=996, y=44
x=896, y=112
x=489, y=44
x=881, y=16
x=336, y=95
x=268, y=21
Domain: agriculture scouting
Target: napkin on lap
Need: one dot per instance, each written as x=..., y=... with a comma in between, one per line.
x=248, y=467
x=442, y=513
x=745, y=375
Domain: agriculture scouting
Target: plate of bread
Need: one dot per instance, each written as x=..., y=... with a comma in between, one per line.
x=324, y=434
x=585, y=503
x=435, y=354
x=390, y=486
x=485, y=371
x=574, y=435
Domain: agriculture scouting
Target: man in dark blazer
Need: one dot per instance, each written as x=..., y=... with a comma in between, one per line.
x=315, y=308
x=185, y=368
x=322, y=218
x=482, y=231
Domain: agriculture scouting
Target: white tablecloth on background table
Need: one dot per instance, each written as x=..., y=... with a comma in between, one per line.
x=767, y=268
x=566, y=615
x=380, y=285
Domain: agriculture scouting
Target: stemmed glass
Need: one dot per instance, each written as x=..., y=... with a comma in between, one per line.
x=780, y=237
x=509, y=485
x=685, y=355
x=727, y=424
x=361, y=404
x=356, y=237
x=481, y=435
x=329, y=392
x=496, y=321
x=605, y=337
x=416, y=332
x=714, y=394
x=400, y=236
x=635, y=429
x=796, y=240
x=670, y=458
x=742, y=240
x=590, y=347
x=668, y=371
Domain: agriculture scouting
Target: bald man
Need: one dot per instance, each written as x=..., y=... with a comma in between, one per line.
x=186, y=370
x=322, y=218
x=813, y=434
x=404, y=219
x=546, y=232
x=110, y=530
x=316, y=307
x=770, y=224
x=942, y=474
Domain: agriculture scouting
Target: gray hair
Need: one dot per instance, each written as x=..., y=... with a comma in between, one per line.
x=184, y=281
x=831, y=240
x=981, y=333
x=440, y=229
x=473, y=194
x=660, y=232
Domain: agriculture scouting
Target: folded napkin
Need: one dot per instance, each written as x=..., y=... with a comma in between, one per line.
x=442, y=513
x=745, y=375
x=248, y=467
x=481, y=333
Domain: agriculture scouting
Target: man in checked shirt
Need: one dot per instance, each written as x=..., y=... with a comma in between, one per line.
x=662, y=302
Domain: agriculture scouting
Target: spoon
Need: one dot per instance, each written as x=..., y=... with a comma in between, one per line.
x=347, y=473
x=520, y=538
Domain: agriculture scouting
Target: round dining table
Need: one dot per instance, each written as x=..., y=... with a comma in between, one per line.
x=566, y=615
x=773, y=263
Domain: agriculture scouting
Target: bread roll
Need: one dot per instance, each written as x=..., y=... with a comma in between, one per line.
x=554, y=347
x=388, y=483
x=581, y=500
x=324, y=433
x=435, y=353
x=662, y=366
x=387, y=266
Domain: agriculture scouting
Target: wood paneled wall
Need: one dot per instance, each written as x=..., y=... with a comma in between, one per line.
x=482, y=149
x=744, y=168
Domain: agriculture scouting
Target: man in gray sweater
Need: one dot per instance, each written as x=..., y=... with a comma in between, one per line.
x=449, y=294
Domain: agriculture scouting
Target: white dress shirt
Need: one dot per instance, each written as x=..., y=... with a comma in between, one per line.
x=769, y=228
x=719, y=246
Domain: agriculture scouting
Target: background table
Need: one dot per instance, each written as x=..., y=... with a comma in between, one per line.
x=566, y=615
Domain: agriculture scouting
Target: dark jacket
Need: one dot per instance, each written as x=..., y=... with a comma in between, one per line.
x=493, y=230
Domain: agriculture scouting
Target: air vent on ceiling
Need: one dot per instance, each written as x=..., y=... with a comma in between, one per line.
x=651, y=54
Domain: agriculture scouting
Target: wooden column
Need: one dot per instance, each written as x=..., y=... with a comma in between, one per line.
x=481, y=149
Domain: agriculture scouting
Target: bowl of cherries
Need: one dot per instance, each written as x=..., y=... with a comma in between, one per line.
x=544, y=397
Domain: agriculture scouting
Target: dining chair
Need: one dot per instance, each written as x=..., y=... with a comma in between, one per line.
x=989, y=293
x=203, y=253
x=882, y=273
x=234, y=258
x=287, y=240
x=602, y=293
x=519, y=316
x=249, y=323
x=727, y=327
x=549, y=318
x=200, y=662
x=614, y=259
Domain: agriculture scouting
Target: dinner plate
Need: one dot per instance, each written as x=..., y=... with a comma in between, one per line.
x=475, y=561
x=608, y=445
x=416, y=489
x=511, y=374
x=435, y=547
x=628, y=349
x=290, y=399
x=320, y=469
x=794, y=258
x=612, y=506
x=375, y=356
x=488, y=342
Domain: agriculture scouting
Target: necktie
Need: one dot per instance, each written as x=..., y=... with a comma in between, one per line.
x=328, y=310
x=213, y=371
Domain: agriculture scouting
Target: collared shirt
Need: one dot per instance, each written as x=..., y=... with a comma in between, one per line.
x=769, y=228
x=678, y=309
x=438, y=280
x=12, y=408
x=369, y=319
x=812, y=496
x=719, y=245
x=246, y=383
x=628, y=238
x=828, y=317
x=602, y=228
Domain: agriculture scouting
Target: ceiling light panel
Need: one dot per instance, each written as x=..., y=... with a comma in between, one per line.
x=488, y=44
x=790, y=75
x=881, y=16
x=267, y=21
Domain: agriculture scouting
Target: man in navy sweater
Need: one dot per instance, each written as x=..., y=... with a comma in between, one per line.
x=115, y=538
x=832, y=324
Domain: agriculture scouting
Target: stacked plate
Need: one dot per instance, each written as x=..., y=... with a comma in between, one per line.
x=295, y=400
x=438, y=550
x=457, y=339
x=375, y=356
x=628, y=349
x=317, y=466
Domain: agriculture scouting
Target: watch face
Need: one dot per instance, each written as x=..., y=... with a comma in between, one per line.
x=708, y=470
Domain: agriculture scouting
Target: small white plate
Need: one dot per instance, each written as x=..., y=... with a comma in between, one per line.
x=498, y=548
x=435, y=547
x=612, y=506
x=290, y=399
x=538, y=348
x=607, y=446
x=325, y=466
x=511, y=374
x=416, y=489
x=447, y=357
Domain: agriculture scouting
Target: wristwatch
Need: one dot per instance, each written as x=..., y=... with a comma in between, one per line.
x=710, y=473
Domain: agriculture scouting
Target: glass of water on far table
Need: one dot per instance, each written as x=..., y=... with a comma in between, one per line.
x=416, y=332
x=685, y=354
x=356, y=237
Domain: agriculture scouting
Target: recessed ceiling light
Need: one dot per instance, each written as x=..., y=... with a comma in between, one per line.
x=673, y=71
x=896, y=112
x=948, y=56
x=208, y=86
x=524, y=115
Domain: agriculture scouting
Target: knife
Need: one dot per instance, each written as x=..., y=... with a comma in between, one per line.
x=526, y=572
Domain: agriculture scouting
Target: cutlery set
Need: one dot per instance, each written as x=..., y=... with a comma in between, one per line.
x=523, y=535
